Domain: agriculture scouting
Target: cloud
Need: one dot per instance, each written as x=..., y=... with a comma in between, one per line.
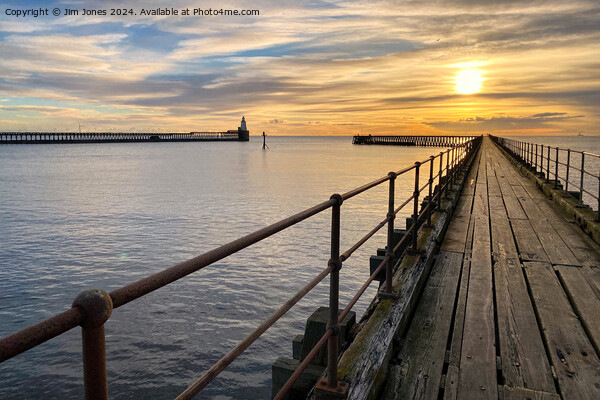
x=505, y=123
x=324, y=65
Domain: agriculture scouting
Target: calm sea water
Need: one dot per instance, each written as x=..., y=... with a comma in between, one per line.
x=104, y=215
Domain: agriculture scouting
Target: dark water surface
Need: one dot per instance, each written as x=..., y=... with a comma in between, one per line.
x=77, y=216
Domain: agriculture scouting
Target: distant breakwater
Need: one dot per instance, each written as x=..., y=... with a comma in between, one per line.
x=412, y=140
x=119, y=137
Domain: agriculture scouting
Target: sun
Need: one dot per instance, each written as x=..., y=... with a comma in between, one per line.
x=468, y=81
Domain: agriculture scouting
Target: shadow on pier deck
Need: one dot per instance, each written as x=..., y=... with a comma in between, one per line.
x=510, y=310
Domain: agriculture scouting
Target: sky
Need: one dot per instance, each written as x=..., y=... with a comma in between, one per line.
x=303, y=67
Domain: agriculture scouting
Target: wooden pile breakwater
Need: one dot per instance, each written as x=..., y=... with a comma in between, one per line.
x=119, y=137
x=435, y=180
x=412, y=140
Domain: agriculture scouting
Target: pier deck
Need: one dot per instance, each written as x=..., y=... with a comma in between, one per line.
x=511, y=309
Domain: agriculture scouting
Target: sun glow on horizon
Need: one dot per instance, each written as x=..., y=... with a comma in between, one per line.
x=468, y=81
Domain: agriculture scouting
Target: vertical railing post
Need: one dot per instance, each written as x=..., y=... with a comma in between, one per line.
x=548, y=166
x=98, y=306
x=556, y=169
x=390, y=238
x=415, y=227
x=598, y=212
x=521, y=150
x=568, y=168
x=452, y=164
x=430, y=202
x=536, y=158
x=581, y=178
x=334, y=293
x=440, y=180
x=447, y=184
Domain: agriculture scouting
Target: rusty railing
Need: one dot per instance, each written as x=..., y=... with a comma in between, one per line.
x=92, y=308
x=548, y=161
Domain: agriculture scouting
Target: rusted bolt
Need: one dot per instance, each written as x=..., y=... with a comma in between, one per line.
x=97, y=305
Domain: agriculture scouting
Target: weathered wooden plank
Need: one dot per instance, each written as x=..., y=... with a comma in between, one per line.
x=456, y=235
x=451, y=387
x=546, y=205
x=511, y=175
x=463, y=207
x=503, y=243
x=592, y=275
x=555, y=247
x=477, y=378
x=471, y=177
x=513, y=207
x=469, y=186
x=572, y=355
x=584, y=300
x=422, y=352
x=530, y=248
x=524, y=360
x=583, y=248
x=492, y=181
x=531, y=209
x=480, y=203
x=520, y=393
x=452, y=375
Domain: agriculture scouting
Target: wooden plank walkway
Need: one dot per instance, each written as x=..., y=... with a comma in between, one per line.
x=512, y=307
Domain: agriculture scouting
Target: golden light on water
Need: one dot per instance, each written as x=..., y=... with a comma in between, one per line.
x=468, y=81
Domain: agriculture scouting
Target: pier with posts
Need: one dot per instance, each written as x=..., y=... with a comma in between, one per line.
x=116, y=137
x=489, y=290
x=412, y=140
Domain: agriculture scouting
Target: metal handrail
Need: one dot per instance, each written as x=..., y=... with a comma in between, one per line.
x=540, y=162
x=92, y=308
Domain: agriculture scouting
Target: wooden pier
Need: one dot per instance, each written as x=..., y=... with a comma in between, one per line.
x=119, y=137
x=511, y=309
x=400, y=140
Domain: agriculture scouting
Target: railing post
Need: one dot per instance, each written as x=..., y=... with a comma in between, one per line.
x=440, y=180
x=334, y=293
x=452, y=167
x=536, y=158
x=520, y=150
x=454, y=164
x=568, y=168
x=390, y=238
x=415, y=227
x=581, y=178
x=598, y=212
x=548, y=166
x=430, y=203
x=447, y=174
x=98, y=306
x=556, y=170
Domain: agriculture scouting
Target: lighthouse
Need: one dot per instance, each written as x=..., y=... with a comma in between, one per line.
x=243, y=133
